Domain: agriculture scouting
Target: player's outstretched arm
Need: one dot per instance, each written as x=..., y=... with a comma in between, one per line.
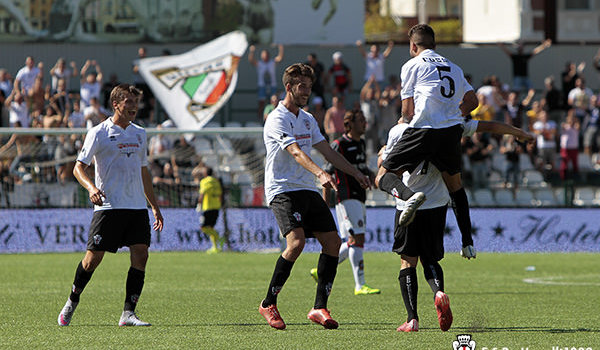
x=338, y=161
x=500, y=128
x=304, y=160
x=149, y=193
x=469, y=103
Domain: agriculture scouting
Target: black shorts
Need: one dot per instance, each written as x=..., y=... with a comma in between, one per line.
x=305, y=209
x=209, y=218
x=424, y=236
x=116, y=228
x=438, y=146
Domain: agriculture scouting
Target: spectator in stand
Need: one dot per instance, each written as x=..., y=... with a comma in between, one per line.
x=5, y=83
x=579, y=98
x=568, y=77
x=484, y=110
x=17, y=110
x=478, y=149
x=375, y=60
x=76, y=118
x=52, y=118
x=520, y=63
x=95, y=114
x=61, y=71
x=183, y=154
x=168, y=176
x=342, y=77
x=591, y=131
x=265, y=69
x=533, y=113
x=146, y=110
x=389, y=108
x=552, y=100
x=545, y=130
x=318, y=112
x=159, y=144
x=569, y=144
x=91, y=83
x=273, y=102
x=26, y=76
x=369, y=105
x=65, y=149
x=107, y=87
x=515, y=108
x=512, y=150
x=492, y=90
x=334, y=118
x=61, y=101
x=36, y=97
x=318, y=88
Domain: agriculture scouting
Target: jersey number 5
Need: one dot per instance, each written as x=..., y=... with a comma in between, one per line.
x=450, y=92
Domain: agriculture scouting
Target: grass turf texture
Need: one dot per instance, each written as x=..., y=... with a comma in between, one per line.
x=200, y=301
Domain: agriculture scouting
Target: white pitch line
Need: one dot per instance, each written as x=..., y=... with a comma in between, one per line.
x=555, y=281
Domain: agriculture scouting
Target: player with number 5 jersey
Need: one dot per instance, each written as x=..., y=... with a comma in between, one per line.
x=435, y=99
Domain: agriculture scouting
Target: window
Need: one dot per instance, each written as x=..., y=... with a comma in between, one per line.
x=577, y=4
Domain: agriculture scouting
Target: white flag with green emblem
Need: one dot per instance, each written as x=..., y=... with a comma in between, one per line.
x=193, y=86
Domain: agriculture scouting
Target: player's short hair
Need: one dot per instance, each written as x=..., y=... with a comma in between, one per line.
x=422, y=35
x=209, y=171
x=118, y=92
x=349, y=117
x=293, y=73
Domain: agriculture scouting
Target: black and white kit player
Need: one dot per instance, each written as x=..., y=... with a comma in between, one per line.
x=435, y=98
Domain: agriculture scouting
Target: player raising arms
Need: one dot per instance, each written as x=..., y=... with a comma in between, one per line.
x=435, y=97
x=289, y=135
x=123, y=184
x=350, y=199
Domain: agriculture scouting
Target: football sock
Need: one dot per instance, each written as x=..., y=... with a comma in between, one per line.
x=409, y=288
x=357, y=263
x=434, y=275
x=326, y=270
x=133, y=288
x=343, y=254
x=463, y=218
x=393, y=185
x=280, y=275
x=213, y=235
x=82, y=277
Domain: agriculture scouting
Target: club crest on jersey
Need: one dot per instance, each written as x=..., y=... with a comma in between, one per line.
x=297, y=216
x=307, y=124
x=463, y=342
x=139, y=138
x=360, y=223
x=97, y=239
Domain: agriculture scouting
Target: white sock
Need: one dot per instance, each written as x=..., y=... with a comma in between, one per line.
x=343, y=255
x=356, y=260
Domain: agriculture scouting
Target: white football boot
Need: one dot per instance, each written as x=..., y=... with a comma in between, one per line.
x=64, y=318
x=129, y=318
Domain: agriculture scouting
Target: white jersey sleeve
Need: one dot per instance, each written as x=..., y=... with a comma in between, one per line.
x=470, y=127
x=90, y=147
x=277, y=130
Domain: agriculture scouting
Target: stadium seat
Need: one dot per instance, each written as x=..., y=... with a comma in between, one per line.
x=584, y=196
x=495, y=179
x=470, y=198
x=466, y=163
x=212, y=125
x=584, y=163
x=525, y=162
x=377, y=197
x=484, y=198
x=499, y=162
x=253, y=125
x=504, y=198
x=533, y=178
x=233, y=124
x=524, y=198
x=559, y=195
x=223, y=146
x=202, y=145
x=545, y=197
x=233, y=164
x=244, y=178
x=210, y=159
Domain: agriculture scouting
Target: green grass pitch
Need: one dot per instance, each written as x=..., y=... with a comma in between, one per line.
x=200, y=301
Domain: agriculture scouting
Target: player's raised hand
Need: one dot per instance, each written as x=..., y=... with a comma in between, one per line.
x=96, y=196
x=326, y=180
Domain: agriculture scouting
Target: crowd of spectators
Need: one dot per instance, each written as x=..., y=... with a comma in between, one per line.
x=565, y=116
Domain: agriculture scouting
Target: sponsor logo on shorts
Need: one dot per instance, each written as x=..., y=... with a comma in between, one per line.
x=97, y=239
x=360, y=223
x=297, y=216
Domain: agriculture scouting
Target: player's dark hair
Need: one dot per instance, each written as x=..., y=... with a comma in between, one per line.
x=118, y=92
x=209, y=171
x=293, y=73
x=422, y=35
x=349, y=118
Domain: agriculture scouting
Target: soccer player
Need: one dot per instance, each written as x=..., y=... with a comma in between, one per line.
x=350, y=199
x=209, y=204
x=435, y=98
x=289, y=135
x=122, y=180
x=424, y=236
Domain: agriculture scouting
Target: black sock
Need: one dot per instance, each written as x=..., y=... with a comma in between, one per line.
x=82, y=277
x=463, y=218
x=280, y=275
x=133, y=288
x=409, y=288
x=326, y=271
x=434, y=276
x=393, y=185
